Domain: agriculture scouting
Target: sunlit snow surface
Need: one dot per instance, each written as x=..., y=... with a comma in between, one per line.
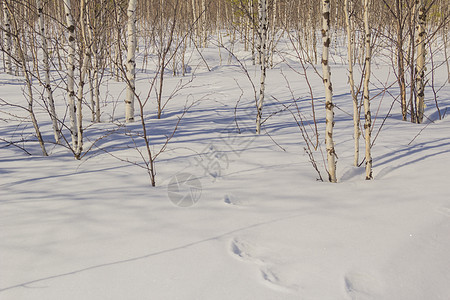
x=261, y=227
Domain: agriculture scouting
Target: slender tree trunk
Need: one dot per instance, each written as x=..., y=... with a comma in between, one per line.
x=131, y=62
x=331, y=154
x=96, y=86
x=70, y=73
x=204, y=23
x=260, y=34
x=367, y=113
x=118, y=48
x=28, y=78
x=273, y=28
x=356, y=117
x=263, y=27
x=411, y=56
x=86, y=54
x=162, y=57
x=48, y=88
x=251, y=9
x=446, y=45
x=247, y=28
x=7, y=24
x=196, y=21
x=401, y=59
x=94, y=80
x=420, y=65
x=17, y=42
x=314, y=37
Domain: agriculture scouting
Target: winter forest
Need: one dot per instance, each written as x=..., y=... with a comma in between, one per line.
x=224, y=149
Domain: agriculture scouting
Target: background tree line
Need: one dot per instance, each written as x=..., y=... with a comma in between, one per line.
x=84, y=41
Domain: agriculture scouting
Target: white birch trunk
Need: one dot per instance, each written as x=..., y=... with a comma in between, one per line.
x=79, y=115
x=196, y=21
x=272, y=42
x=70, y=73
x=356, y=117
x=331, y=154
x=84, y=68
x=250, y=3
x=8, y=44
x=260, y=34
x=263, y=27
x=204, y=20
x=131, y=61
x=411, y=56
x=247, y=29
x=400, y=58
x=48, y=88
x=420, y=64
x=95, y=81
x=367, y=113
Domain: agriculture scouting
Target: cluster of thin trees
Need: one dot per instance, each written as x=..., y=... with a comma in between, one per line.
x=82, y=41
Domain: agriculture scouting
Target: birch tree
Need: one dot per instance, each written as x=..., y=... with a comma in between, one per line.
x=273, y=28
x=45, y=61
x=420, y=64
x=28, y=78
x=367, y=113
x=204, y=36
x=400, y=56
x=86, y=54
x=331, y=154
x=197, y=14
x=350, y=45
x=131, y=61
x=411, y=56
x=71, y=72
x=8, y=42
x=97, y=44
x=263, y=27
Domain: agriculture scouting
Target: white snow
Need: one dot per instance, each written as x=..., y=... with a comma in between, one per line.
x=264, y=227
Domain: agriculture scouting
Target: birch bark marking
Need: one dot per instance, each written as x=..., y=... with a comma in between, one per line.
x=95, y=48
x=131, y=62
x=356, y=117
x=70, y=72
x=411, y=55
x=331, y=154
x=420, y=64
x=48, y=88
x=85, y=47
x=367, y=114
x=259, y=44
x=263, y=51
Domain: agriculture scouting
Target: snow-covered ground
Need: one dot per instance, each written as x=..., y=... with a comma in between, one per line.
x=262, y=226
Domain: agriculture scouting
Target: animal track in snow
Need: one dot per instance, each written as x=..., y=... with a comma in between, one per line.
x=232, y=200
x=247, y=252
x=242, y=250
x=362, y=286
